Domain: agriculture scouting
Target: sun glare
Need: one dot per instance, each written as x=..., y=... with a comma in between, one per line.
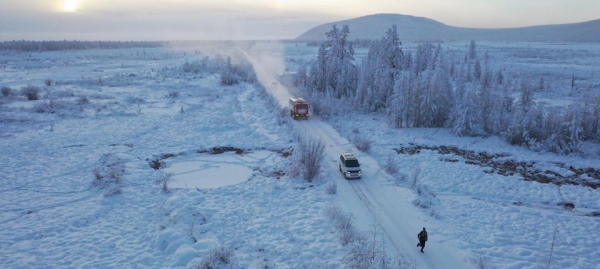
x=70, y=5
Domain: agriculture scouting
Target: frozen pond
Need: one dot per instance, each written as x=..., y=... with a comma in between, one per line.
x=213, y=171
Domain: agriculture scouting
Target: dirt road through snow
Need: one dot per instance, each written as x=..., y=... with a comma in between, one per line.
x=374, y=201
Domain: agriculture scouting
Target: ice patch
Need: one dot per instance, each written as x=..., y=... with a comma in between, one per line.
x=215, y=171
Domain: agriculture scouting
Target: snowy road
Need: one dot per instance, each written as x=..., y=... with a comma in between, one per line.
x=373, y=200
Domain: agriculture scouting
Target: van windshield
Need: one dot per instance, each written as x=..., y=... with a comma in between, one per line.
x=302, y=106
x=352, y=163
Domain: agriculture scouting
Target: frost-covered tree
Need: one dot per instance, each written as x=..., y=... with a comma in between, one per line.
x=339, y=57
x=423, y=57
x=526, y=98
x=499, y=77
x=407, y=61
x=318, y=71
x=591, y=114
x=477, y=70
x=527, y=124
x=379, y=71
x=301, y=77
x=397, y=108
x=466, y=116
x=572, y=127
x=501, y=106
x=436, y=100
x=472, y=50
x=564, y=130
x=404, y=103
x=541, y=84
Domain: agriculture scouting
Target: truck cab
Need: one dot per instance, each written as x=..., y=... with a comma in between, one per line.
x=299, y=108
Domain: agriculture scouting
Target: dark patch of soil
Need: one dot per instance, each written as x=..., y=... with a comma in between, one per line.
x=567, y=205
x=285, y=152
x=220, y=150
x=129, y=145
x=158, y=162
x=75, y=146
x=594, y=214
x=586, y=176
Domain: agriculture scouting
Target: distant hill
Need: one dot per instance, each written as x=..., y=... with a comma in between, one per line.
x=411, y=28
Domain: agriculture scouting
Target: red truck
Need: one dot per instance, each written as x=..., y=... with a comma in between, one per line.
x=299, y=108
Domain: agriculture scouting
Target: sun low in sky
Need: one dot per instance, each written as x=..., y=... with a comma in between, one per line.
x=70, y=5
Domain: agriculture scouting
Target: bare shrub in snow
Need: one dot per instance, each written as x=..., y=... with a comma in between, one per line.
x=362, y=143
x=164, y=179
x=370, y=252
x=31, y=92
x=228, y=78
x=135, y=100
x=424, y=196
x=390, y=165
x=415, y=177
x=400, y=179
x=48, y=82
x=216, y=258
x=480, y=263
x=282, y=116
x=331, y=187
x=6, y=91
x=308, y=158
x=281, y=113
x=173, y=94
x=83, y=100
x=343, y=222
x=108, y=174
x=50, y=106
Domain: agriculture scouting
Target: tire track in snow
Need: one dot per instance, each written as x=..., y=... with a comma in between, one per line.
x=385, y=216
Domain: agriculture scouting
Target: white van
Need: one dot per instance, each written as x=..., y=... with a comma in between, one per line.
x=349, y=166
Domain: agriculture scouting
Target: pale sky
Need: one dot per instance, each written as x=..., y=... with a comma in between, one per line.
x=258, y=19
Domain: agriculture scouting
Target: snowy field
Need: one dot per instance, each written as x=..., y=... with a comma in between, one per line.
x=223, y=154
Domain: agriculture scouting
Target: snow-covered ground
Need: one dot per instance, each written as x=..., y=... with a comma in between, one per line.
x=226, y=155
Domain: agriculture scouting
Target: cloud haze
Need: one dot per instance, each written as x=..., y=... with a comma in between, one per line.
x=258, y=19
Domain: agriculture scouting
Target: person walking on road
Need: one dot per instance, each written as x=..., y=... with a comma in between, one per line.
x=422, y=238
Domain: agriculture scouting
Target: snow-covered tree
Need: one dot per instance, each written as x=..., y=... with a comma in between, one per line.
x=466, y=116
x=380, y=70
x=499, y=77
x=334, y=68
x=472, y=50
x=436, y=101
x=477, y=70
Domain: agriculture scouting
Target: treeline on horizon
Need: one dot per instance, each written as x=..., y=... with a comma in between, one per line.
x=65, y=45
x=30, y=45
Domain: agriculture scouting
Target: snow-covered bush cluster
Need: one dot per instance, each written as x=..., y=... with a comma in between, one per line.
x=434, y=88
x=6, y=91
x=217, y=258
x=31, y=92
x=231, y=73
x=365, y=251
x=343, y=222
x=331, y=187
